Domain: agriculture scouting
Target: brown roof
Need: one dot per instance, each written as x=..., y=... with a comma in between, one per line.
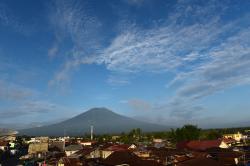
x=162, y=153
x=200, y=161
x=219, y=152
x=127, y=157
x=71, y=162
x=182, y=158
x=85, y=151
x=224, y=156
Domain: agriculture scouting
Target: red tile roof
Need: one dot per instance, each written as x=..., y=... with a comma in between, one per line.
x=4, y=143
x=199, y=145
x=118, y=148
x=228, y=140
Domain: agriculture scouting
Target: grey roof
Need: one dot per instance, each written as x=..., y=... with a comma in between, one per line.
x=73, y=147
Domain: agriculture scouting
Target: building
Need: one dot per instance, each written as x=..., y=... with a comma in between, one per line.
x=71, y=149
x=127, y=158
x=60, y=145
x=87, y=143
x=226, y=156
x=35, y=148
x=4, y=145
x=238, y=136
x=202, y=145
x=38, y=140
x=65, y=161
x=113, y=148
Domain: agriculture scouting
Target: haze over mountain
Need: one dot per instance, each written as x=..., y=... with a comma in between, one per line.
x=103, y=120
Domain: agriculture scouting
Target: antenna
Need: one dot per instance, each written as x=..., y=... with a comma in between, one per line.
x=91, y=132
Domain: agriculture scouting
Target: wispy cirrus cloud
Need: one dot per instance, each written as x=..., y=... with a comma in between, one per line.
x=205, y=53
x=10, y=20
x=229, y=66
x=162, y=48
x=72, y=22
x=118, y=80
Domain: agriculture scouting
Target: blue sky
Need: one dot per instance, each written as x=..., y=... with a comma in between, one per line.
x=167, y=62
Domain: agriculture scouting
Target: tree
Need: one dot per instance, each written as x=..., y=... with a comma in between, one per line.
x=211, y=135
x=186, y=133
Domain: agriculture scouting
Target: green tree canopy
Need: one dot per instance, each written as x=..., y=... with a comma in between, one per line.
x=186, y=133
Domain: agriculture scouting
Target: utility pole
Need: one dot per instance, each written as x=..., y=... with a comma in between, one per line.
x=91, y=132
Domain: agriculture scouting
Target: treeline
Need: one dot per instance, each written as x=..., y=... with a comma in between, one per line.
x=185, y=133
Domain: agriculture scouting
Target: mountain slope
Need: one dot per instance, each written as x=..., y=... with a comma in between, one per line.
x=103, y=120
x=5, y=132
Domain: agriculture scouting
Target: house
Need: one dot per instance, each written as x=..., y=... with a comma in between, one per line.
x=202, y=145
x=226, y=156
x=60, y=145
x=71, y=149
x=38, y=140
x=132, y=147
x=65, y=161
x=166, y=155
x=238, y=136
x=229, y=141
x=92, y=153
x=127, y=158
x=115, y=137
x=158, y=140
x=4, y=145
x=142, y=154
x=9, y=137
x=35, y=148
x=87, y=143
x=113, y=148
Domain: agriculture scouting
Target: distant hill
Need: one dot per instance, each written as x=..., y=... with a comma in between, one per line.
x=5, y=132
x=103, y=120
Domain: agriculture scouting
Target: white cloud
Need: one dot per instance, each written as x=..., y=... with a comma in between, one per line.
x=118, y=80
x=52, y=52
x=206, y=53
x=229, y=66
x=71, y=21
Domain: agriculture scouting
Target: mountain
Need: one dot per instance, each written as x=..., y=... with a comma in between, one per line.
x=103, y=120
x=5, y=132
